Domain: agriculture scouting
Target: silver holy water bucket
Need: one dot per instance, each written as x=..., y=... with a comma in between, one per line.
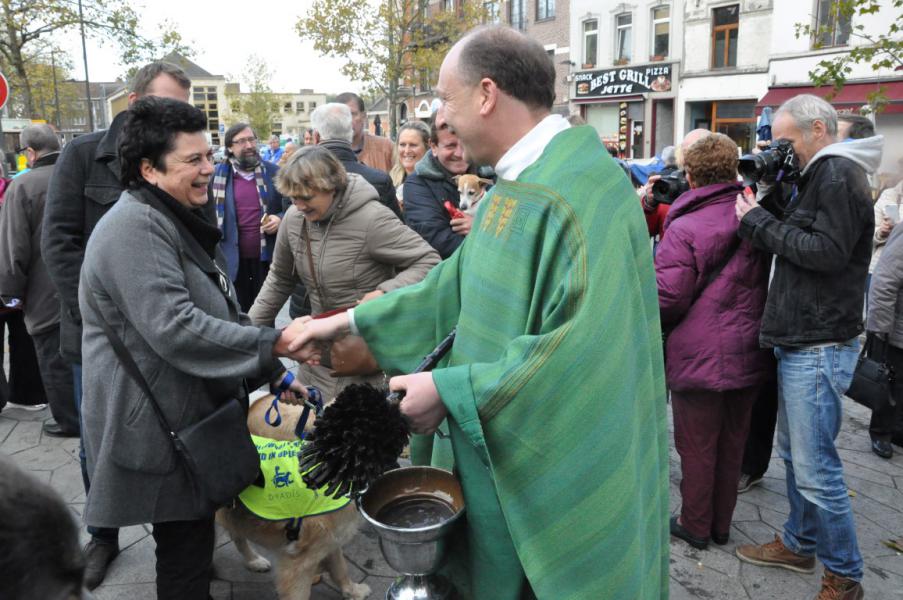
x=413, y=509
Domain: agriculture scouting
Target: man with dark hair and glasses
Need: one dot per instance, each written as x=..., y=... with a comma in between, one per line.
x=248, y=208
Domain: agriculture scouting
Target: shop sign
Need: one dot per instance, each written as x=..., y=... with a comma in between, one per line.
x=623, y=81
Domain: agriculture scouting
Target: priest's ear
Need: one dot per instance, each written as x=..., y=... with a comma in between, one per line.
x=489, y=96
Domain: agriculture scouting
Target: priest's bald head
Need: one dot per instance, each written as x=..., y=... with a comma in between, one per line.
x=495, y=84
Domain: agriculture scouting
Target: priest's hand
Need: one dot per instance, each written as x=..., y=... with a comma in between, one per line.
x=421, y=406
x=304, y=346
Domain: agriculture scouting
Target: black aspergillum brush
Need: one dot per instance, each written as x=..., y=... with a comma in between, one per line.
x=360, y=435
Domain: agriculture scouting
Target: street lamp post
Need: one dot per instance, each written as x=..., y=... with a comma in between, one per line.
x=81, y=22
x=56, y=93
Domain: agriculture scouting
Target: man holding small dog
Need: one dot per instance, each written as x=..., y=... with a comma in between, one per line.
x=553, y=392
x=431, y=185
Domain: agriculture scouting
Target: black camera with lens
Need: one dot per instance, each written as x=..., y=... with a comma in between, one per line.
x=776, y=164
x=667, y=189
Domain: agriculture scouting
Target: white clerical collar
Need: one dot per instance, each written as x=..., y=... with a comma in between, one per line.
x=528, y=149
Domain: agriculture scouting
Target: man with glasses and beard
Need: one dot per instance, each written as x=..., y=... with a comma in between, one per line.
x=248, y=211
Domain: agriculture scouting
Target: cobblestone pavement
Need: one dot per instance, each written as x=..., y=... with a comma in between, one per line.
x=712, y=574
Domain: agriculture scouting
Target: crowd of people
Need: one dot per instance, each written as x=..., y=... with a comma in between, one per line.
x=146, y=281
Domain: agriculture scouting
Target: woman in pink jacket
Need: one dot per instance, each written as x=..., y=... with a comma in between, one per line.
x=712, y=289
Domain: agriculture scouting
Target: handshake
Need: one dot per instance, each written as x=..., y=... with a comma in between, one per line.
x=302, y=339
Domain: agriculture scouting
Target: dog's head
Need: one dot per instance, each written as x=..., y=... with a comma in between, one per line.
x=471, y=189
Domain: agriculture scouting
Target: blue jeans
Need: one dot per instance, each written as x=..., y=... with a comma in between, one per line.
x=811, y=384
x=104, y=534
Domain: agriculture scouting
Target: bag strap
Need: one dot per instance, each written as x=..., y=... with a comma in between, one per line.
x=713, y=275
x=310, y=261
x=128, y=363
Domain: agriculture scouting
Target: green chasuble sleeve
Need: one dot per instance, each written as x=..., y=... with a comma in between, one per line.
x=555, y=384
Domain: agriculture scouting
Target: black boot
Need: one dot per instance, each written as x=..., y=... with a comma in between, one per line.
x=98, y=556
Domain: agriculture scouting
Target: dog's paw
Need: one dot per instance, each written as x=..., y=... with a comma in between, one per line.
x=358, y=591
x=258, y=565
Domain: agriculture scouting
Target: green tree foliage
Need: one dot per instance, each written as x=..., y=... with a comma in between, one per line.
x=27, y=25
x=880, y=50
x=389, y=44
x=259, y=107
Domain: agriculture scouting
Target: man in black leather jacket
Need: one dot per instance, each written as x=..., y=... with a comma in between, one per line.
x=83, y=188
x=821, y=238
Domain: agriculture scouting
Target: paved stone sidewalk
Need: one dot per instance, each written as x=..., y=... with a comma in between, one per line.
x=711, y=574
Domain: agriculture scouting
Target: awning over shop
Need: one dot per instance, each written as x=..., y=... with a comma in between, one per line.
x=852, y=96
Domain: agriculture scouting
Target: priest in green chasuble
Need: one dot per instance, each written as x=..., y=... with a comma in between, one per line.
x=553, y=392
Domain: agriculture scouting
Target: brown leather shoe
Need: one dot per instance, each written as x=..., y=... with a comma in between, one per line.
x=776, y=554
x=835, y=587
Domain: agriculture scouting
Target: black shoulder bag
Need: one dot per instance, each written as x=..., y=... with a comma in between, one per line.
x=873, y=378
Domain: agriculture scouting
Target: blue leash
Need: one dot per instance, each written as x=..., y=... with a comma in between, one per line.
x=313, y=403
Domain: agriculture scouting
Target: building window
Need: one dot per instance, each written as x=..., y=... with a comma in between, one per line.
x=831, y=27
x=213, y=124
x=545, y=9
x=725, y=27
x=516, y=14
x=311, y=106
x=590, y=43
x=624, y=38
x=299, y=107
x=492, y=11
x=287, y=107
x=661, y=31
x=448, y=5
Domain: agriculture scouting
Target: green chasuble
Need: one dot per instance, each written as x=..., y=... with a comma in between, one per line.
x=554, y=386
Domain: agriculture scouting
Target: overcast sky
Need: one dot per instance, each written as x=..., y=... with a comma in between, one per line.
x=224, y=34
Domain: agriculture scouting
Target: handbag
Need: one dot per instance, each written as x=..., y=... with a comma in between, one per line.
x=873, y=378
x=349, y=355
x=217, y=452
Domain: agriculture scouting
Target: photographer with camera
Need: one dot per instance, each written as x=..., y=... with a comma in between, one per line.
x=822, y=240
x=712, y=289
x=661, y=190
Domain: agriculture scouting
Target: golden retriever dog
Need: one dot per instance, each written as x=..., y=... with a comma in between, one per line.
x=321, y=538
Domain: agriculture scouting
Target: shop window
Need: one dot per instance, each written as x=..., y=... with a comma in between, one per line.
x=590, y=43
x=545, y=9
x=624, y=38
x=516, y=15
x=736, y=120
x=831, y=27
x=493, y=14
x=661, y=32
x=725, y=29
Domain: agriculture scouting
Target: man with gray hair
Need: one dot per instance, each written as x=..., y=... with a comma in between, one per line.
x=24, y=280
x=821, y=236
x=333, y=129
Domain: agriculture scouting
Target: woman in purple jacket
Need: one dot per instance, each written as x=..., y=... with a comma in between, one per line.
x=712, y=289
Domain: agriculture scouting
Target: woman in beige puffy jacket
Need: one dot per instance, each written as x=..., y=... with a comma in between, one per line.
x=342, y=243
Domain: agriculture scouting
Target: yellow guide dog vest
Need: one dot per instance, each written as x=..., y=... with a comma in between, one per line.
x=284, y=495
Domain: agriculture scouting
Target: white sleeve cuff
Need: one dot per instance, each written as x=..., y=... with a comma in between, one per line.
x=351, y=324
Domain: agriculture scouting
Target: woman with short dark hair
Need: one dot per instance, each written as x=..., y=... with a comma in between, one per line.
x=712, y=289
x=152, y=274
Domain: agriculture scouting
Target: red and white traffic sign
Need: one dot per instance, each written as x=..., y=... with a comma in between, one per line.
x=4, y=91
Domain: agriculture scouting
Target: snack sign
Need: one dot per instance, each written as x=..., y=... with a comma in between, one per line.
x=624, y=81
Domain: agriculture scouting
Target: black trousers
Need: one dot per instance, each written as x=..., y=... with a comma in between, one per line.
x=757, y=453
x=24, y=385
x=184, y=558
x=887, y=421
x=57, y=377
x=252, y=272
